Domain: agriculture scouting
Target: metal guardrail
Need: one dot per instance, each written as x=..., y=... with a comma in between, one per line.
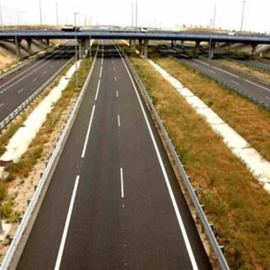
x=19, y=109
x=45, y=177
x=199, y=208
x=227, y=85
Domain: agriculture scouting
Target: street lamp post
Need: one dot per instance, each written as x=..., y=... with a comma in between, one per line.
x=76, y=53
x=242, y=20
x=214, y=19
x=40, y=12
x=57, y=22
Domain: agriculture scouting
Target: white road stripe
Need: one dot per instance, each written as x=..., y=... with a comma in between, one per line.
x=235, y=82
x=34, y=79
x=44, y=72
x=115, y=78
x=64, y=236
x=122, y=183
x=20, y=91
x=100, y=72
x=229, y=73
x=268, y=98
x=88, y=132
x=116, y=93
x=118, y=119
x=2, y=105
x=175, y=206
x=212, y=71
x=102, y=61
x=267, y=89
x=201, y=62
x=97, y=90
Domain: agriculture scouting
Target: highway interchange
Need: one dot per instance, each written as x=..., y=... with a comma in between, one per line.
x=114, y=201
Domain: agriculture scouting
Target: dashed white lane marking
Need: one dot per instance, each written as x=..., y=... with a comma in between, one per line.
x=229, y=73
x=212, y=71
x=97, y=89
x=118, y=120
x=267, y=89
x=88, y=132
x=115, y=78
x=2, y=105
x=20, y=91
x=44, y=72
x=235, y=82
x=117, y=93
x=268, y=98
x=100, y=72
x=34, y=79
x=65, y=232
x=122, y=183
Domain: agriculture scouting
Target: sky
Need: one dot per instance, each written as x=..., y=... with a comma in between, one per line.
x=151, y=13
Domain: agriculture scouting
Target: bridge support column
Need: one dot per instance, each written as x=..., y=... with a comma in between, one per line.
x=81, y=43
x=47, y=42
x=132, y=43
x=146, y=48
x=40, y=43
x=140, y=42
x=29, y=45
x=229, y=46
x=211, y=49
x=182, y=44
x=173, y=43
x=254, y=47
x=197, y=47
x=18, y=46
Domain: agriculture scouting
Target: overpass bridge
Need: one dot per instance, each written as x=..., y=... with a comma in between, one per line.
x=84, y=37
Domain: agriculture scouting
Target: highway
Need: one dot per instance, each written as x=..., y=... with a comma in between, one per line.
x=18, y=86
x=257, y=90
x=113, y=201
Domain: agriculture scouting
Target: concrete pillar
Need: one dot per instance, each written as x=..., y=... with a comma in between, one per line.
x=211, y=49
x=173, y=42
x=229, y=46
x=47, y=42
x=130, y=41
x=254, y=46
x=146, y=48
x=140, y=42
x=40, y=43
x=182, y=44
x=82, y=48
x=18, y=46
x=197, y=47
x=29, y=45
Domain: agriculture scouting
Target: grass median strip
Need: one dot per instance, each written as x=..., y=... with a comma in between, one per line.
x=249, y=120
x=234, y=202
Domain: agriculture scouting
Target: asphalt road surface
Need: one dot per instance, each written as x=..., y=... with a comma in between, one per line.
x=17, y=87
x=257, y=90
x=113, y=202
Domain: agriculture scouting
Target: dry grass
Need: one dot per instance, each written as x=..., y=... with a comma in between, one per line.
x=249, y=120
x=234, y=201
x=250, y=70
x=21, y=170
x=7, y=59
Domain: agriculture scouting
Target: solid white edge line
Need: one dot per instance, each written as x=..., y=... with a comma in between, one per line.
x=118, y=119
x=88, y=132
x=201, y=62
x=65, y=232
x=267, y=89
x=96, y=96
x=178, y=215
x=122, y=183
